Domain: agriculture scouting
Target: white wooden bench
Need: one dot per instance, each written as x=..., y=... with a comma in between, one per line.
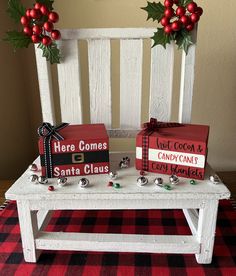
x=35, y=203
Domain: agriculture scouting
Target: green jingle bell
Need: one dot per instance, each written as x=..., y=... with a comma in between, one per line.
x=116, y=185
x=193, y=182
x=167, y=187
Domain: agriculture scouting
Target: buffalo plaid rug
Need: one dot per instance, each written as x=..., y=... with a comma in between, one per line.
x=57, y=263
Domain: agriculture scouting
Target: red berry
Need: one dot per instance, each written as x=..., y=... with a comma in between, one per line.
x=55, y=34
x=53, y=17
x=48, y=26
x=37, y=6
x=192, y=7
x=180, y=11
x=46, y=40
x=169, y=12
x=27, y=13
x=199, y=11
x=44, y=10
x=168, y=3
x=24, y=20
x=28, y=31
x=176, y=26
x=165, y=21
x=176, y=2
x=185, y=20
x=190, y=27
x=36, y=14
x=194, y=17
x=37, y=29
x=168, y=29
x=35, y=38
x=51, y=188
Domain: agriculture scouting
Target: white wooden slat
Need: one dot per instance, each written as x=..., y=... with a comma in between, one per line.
x=131, y=58
x=99, y=57
x=117, y=242
x=108, y=33
x=69, y=83
x=191, y=216
x=28, y=230
x=187, y=82
x=45, y=87
x=161, y=82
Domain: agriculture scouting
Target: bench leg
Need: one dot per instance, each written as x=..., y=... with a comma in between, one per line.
x=206, y=231
x=29, y=230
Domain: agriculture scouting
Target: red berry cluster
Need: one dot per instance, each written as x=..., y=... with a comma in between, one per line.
x=180, y=17
x=38, y=24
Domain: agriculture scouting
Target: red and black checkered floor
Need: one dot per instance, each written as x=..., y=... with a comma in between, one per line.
x=109, y=264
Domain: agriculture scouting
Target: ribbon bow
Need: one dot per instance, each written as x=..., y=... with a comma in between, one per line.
x=154, y=125
x=48, y=131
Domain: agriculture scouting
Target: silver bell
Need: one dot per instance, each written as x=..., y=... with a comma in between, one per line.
x=43, y=180
x=174, y=179
x=83, y=182
x=33, y=178
x=215, y=179
x=61, y=181
x=33, y=167
x=113, y=175
x=142, y=180
x=158, y=181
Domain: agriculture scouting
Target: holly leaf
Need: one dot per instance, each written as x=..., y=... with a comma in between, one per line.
x=16, y=10
x=184, y=40
x=184, y=3
x=51, y=52
x=17, y=39
x=161, y=38
x=155, y=11
x=47, y=3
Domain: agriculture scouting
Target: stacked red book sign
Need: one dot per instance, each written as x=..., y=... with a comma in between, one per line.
x=72, y=150
x=172, y=148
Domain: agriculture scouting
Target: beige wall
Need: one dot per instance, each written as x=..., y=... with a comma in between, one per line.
x=215, y=84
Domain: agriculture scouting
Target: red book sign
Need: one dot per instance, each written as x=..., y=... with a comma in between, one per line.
x=84, y=151
x=178, y=150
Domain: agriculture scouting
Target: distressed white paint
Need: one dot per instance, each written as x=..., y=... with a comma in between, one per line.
x=161, y=82
x=117, y=242
x=131, y=59
x=187, y=82
x=69, y=83
x=204, y=196
x=29, y=230
x=108, y=33
x=206, y=231
x=99, y=57
x=45, y=87
x=192, y=217
x=122, y=133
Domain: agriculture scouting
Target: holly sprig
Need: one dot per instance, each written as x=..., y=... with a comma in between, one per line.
x=178, y=19
x=38, y=28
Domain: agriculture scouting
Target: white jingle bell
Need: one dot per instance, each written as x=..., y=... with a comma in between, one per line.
x=43, y=180
x=113, y=175
x=33, y=178
x=215, y=179
x=83, y=182
x=142, y=180
x=174, y=179
x=33, y=167
x=158, y=181
x=61, y=181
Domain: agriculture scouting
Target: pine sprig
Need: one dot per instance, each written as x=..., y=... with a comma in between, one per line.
x=17, y=39
x=155, y=11
x=15, y=10
x=184, y=40
x=51, y=53
x=47, y=3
